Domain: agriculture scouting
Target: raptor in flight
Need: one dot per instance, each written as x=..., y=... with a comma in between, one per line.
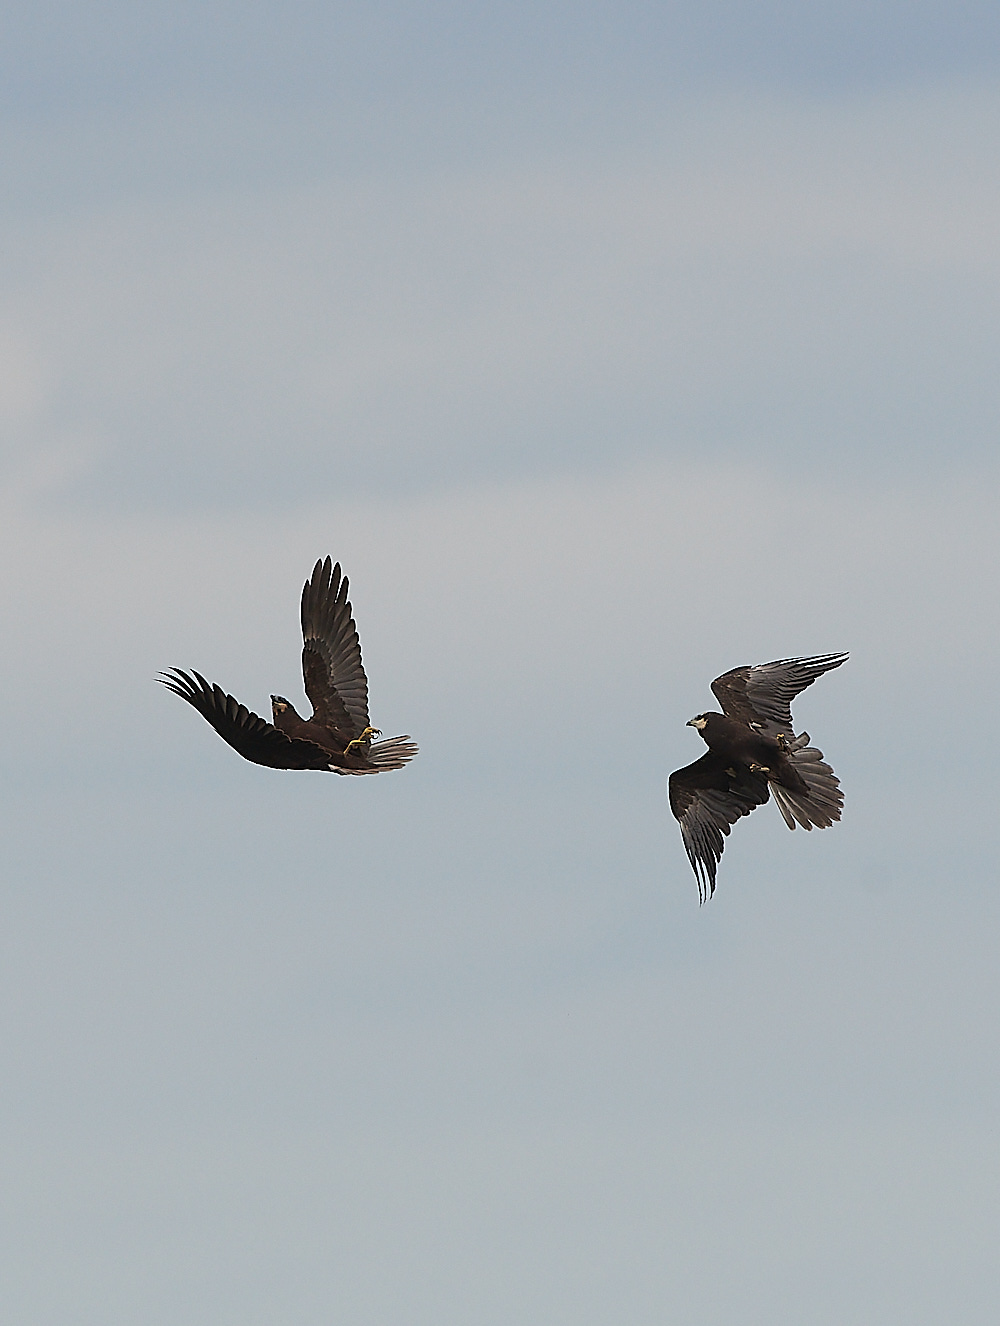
x=339, y=735
x=753, y=752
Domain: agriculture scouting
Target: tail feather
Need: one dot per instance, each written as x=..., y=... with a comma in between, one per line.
x=822, y=804
x=392, y=753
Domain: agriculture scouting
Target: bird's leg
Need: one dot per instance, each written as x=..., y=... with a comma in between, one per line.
x=782, y=741
x=365, y=736
x=758, y=768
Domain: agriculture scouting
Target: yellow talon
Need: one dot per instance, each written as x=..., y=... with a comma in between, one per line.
x=360, y=741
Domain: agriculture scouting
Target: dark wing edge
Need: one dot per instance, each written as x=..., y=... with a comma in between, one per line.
x=763, y=694
x=707, y=801
x=249, y=734
x=332, y=670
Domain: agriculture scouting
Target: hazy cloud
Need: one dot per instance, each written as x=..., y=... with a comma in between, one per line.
x=814, y=287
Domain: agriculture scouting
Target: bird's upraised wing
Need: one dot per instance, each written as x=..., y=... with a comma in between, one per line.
x=254, y=738
x=762, y=695
x=332, y=671
x=707, y=798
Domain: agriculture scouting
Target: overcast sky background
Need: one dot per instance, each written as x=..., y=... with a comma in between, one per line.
x=608, y=347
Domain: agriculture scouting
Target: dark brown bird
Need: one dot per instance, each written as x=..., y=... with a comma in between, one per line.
x=752, y=752
x=338, y=736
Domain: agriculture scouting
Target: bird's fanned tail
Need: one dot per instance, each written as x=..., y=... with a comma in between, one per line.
x=822, y=805
x=392, y=753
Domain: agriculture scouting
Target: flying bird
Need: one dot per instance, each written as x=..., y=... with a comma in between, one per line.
x=753, y=752
x=338, y=736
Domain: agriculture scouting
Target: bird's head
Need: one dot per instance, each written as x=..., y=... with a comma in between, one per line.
x=279, y=706
x=700, y=721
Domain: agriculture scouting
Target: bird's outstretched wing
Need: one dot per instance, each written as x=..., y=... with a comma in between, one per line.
x=248, y=733
x=332, y=671
x=762, y=695
x=708, y=798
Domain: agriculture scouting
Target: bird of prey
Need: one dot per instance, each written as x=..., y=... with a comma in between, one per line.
x=752, y=751
x=338, y=736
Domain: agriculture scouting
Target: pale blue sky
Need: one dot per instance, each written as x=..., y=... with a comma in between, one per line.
x=608, y=348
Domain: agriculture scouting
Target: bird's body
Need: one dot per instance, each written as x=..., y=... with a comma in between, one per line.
x=287, y=719
x=338, y=735
x=752, y=754
x=739, y=743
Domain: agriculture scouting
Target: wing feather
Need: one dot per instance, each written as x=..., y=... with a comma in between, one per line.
x=332, y=670
x=762, y=695
x=254, y=738
x=707, y=798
